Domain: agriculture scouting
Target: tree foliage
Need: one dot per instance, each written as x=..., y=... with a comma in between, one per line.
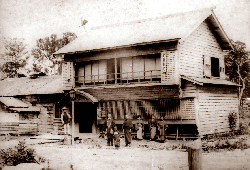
x=237, y=65
x=15, y=56
x=47, y=46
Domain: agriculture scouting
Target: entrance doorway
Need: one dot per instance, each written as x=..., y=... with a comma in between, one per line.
x=85, y=115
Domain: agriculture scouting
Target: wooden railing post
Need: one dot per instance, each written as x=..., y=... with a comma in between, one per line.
x=195, y=155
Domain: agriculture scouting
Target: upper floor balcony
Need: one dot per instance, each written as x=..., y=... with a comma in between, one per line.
x=149, y=76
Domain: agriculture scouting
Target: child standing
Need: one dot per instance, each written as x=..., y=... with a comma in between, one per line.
x=116, y=138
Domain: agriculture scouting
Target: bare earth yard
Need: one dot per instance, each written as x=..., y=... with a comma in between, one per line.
x=93, y=154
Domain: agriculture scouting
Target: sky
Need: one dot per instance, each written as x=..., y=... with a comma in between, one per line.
x=34, y=19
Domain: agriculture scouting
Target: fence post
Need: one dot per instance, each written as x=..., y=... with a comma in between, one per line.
x=195, y=155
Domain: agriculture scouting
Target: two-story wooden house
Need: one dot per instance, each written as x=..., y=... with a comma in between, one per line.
x=171, y=66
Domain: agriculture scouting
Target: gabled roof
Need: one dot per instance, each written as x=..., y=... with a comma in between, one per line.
x=205, y=81
x=26, y=86
x=167, y=28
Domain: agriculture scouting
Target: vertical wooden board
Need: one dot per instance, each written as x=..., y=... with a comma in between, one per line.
x=109, y=106
x=114, y=109
x=120, y=109
x=95, y=69
x=88, y=72
x=222, y=68
x=102, y=70
x=138, y=67
x=80, y=73
x=127, y=68
x=127, y=109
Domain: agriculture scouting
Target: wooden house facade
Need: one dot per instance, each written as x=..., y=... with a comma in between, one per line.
x=31, y=106
x=172, y=66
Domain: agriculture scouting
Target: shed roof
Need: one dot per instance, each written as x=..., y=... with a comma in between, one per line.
x=26, y=86
x=18, y=105
x=13, y=102
x=204, y=81
x=167, y=28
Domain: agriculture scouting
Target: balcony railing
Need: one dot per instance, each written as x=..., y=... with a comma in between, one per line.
x=119, y=78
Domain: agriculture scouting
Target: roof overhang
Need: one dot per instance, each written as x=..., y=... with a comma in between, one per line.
x=219, y=32
x=18, y=105
x=206, y=81
x=167, y=28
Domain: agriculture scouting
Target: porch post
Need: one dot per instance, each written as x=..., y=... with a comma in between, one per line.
x=72, y=97
x=73, y=122
x=115, y=71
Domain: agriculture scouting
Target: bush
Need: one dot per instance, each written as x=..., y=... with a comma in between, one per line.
x=21, y=154
x=232, y=117
x=244, y=128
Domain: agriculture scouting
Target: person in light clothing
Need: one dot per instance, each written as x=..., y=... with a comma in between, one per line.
x=139, y=128
x=65, y=117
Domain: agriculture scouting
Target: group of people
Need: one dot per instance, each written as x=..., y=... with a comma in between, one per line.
x=113, y=134
x=157, y=128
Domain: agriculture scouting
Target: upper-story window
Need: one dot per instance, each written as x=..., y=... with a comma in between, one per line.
x=214, y=67
x=119, y=70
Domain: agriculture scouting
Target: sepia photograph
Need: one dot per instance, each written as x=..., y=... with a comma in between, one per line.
x=124, y=85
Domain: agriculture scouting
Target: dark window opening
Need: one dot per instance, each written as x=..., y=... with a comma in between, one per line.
x=215, y=67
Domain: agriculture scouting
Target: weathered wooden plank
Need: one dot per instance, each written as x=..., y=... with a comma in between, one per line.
x=114, y=109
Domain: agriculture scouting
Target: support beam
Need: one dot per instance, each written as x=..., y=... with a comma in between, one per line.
x=73, y=122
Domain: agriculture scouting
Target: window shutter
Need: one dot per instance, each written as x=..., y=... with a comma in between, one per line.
x=222, y=68
x=207, y=66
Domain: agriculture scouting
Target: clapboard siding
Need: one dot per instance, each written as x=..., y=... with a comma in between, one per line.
x=134, y=93
x=215, y=104
x=188, y=89
x=199, y=44
x=187, y=107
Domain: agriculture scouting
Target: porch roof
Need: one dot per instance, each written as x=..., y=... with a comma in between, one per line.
x=18, y=105
x=13, y=102
x=203, y=81
x=147, y=31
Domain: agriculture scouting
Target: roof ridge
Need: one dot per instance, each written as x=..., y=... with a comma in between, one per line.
x=150, y=19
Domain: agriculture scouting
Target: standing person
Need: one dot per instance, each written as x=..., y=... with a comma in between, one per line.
x=152, y=127
x=65, y=117
x=162, y=126
x=127, y=126
x=116, y=137
x=139, y=127
x=109, y=127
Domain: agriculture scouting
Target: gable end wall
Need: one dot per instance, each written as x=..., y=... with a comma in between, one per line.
x=200, y=43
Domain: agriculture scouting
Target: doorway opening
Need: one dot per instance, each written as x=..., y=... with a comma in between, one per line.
x=85, y=115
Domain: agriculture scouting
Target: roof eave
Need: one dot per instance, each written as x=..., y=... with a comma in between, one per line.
x=222, y=30
x=117, y=47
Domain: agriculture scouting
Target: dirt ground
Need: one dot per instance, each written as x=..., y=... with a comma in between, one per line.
x=92, y=153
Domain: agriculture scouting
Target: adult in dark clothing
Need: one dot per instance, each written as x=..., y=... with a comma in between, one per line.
x=116, y=137
x=109, y=127
x=162, y=126
x=127, y=126
x=152, y=127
